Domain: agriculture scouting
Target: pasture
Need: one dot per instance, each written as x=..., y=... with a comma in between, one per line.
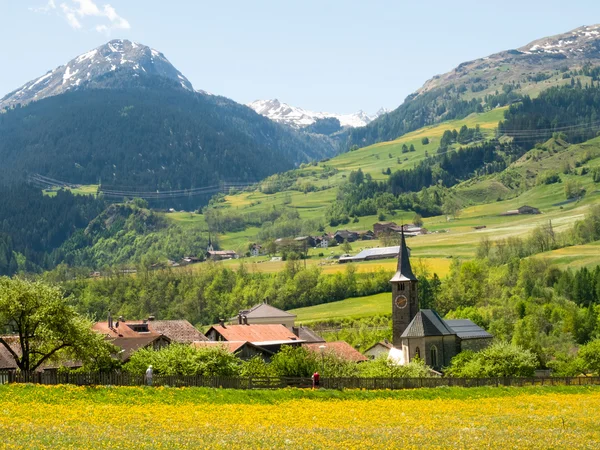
x=153, y=418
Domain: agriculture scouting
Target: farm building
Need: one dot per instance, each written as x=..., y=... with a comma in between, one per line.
x=370, y=254
x=221, y=255
x=255, y=250
x=522, y=210
x=386, y=227
x=344, y=235
x=423, y=333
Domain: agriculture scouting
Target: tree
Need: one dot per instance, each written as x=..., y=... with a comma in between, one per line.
x=418, y=220
x=451, y=207
x=590, y=356
x=46, y=325
x=425, y=140
x=346, y=247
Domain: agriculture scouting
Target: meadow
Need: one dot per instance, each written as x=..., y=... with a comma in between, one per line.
x=118, y=418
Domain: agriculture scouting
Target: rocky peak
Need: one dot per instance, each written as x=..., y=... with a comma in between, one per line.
x=97, y=68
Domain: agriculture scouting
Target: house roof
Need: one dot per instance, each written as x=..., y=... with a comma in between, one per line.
x=256, y=333
x=466, y=329
x=129, y=345
x=124, y=330
x=230, y=346
x=341, y=349
x=427, y=322
x=6, y=359
x=263, y=310
x=308, y=335
x=385, y=344
x=404, y=271
x=345, y=233
x=177, y=330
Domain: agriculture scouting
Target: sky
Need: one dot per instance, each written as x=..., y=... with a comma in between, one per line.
x=321, y=55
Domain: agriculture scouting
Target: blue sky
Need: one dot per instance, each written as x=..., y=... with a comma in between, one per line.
x=327, y=55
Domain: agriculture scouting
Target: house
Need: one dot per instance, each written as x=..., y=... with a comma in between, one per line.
x=265, y=314
x=423, y=333
x=222, y=255
x=340, y=349
x=255, y=249
x=385, y=228
x=344, y=235
x=241, y=349
x=378, y=349
x=305, y=242
x=268, y=336
x=525, y=209
x=366, y=235
x=133, y=335
x=323, y=241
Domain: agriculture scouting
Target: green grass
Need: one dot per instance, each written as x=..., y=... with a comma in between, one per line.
x=357, y=307
x=91, y=189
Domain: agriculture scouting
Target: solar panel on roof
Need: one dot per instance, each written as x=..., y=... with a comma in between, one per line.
x=465, y=328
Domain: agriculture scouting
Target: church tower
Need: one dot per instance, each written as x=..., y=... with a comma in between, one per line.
x=405, y=303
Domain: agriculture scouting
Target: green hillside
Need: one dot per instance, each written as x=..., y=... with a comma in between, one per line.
x=345, y=309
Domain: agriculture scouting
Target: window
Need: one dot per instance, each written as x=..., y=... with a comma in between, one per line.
x=401, y=286
x=434, y=356
x=417, y=353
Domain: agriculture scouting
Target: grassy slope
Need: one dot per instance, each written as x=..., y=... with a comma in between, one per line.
x=457, y=237
x=108, y=417
x=350, y=308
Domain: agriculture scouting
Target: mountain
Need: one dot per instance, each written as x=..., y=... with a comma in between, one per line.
x=300, y=118
x=122, y=115
x=98, y=69
x=485, y=83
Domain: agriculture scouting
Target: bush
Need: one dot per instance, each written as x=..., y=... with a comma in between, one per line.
x=501, y=359
x=180, y=359
x=590, y=356
x=382, y=368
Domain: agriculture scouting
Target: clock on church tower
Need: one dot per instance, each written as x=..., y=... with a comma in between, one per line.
x=405, y=303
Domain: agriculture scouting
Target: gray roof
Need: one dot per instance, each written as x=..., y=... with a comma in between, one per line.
x=264, y=310
x=465, y=329
x=308, y=335
x=427, y=322
x=177, y=330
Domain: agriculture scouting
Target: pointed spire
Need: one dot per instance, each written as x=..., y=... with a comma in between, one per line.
x=404, y=271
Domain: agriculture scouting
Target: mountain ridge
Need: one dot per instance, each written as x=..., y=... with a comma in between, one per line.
x=118, y=57
x=300, y=118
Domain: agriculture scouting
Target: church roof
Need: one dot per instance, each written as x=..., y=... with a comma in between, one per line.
x=427, y=322
x=404, y=271
x=466, y=329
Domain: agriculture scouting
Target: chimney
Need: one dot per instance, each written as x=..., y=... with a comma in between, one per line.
x=240, y=318
x=151, y=318
x=222, y=322
x=245, y=320
x=110, y=320
x=296, y=331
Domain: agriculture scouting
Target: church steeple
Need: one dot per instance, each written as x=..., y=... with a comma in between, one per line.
x=404, y=271
x=405, y=302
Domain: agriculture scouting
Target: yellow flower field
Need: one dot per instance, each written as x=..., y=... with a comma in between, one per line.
x=117, y=418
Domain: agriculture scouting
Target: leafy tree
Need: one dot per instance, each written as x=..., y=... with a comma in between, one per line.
x=182, y=359
x=47, y=327
x=500, y=359
x=346, y=246
x=418, y=220
x=383, y=368
x=590, y=356
x=425, y=140
x=451, y=207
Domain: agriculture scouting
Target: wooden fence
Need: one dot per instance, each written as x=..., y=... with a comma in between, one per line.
x=126, y=379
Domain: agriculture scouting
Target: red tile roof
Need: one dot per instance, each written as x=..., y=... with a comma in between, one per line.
x=255, y=333
x=341, y=349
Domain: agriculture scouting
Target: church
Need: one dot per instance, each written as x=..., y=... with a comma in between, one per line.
x=423, y=333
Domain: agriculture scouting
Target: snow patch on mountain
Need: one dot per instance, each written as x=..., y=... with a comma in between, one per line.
x=117, y=58
x=300, y=118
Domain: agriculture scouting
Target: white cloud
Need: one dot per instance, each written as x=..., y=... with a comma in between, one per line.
x=77, y=13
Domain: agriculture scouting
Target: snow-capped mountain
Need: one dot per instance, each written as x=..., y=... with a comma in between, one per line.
x=300, y=118
x=120, y=58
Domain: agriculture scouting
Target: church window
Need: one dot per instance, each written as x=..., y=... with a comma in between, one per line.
x=417, y=353
x=434, y=356
x=401, y=286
